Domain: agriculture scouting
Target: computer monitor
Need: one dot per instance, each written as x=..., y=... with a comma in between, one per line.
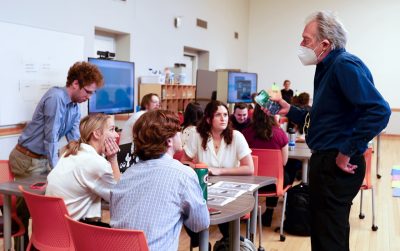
x=117, y=94
x=240, y=86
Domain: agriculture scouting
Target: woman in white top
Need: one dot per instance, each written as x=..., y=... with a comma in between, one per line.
x=149, y=102
x=224, y=150
x=191, y=117
x=83, y=176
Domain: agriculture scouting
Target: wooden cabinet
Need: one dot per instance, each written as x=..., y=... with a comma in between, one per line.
x=172, y=97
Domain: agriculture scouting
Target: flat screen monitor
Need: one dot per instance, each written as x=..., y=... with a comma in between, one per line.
x=117, y=94
x=240, y=86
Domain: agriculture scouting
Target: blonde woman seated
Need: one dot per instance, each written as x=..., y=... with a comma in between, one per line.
x=82, y=176
x=224, y=150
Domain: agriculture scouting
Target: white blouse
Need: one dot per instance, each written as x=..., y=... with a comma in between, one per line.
x=82, y=180
x=228, y=156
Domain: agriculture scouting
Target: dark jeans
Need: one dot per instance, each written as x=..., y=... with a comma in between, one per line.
x=331, y=194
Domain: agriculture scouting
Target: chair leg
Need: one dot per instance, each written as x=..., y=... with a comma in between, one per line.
x=248, y=228
x=361, y=215
x=281, y=235
x=374, y=227
x=21, y=243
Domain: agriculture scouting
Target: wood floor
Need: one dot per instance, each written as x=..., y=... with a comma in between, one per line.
x=387, y=212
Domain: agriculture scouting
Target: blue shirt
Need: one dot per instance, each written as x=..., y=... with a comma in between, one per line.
x=347, y=111
x=158, y=196
x=55, y=116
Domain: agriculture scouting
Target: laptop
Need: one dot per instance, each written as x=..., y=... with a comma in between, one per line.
x=125, y=156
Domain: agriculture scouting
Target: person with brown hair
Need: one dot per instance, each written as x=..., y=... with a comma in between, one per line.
x=224, y=150
x=83, y=177
x=149, y=102
x=57, y=115
x=159, y=193
x=264, y=133
x=191, y=117
x=240, y=117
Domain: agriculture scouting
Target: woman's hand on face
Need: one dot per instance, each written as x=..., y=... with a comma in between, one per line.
x=111, y=148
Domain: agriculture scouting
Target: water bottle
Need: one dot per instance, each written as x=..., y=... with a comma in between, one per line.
x=201, y=170
x=292, y=139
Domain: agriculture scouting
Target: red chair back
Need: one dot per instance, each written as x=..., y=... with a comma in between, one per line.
x=270, y=164
x=89, y=237
x=49, y=227
x=5, y=176
x=367, y=184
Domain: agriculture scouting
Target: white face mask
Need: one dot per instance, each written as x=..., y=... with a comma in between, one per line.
x=307, y=56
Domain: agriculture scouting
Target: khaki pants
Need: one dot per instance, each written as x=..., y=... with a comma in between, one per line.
x=23, y=166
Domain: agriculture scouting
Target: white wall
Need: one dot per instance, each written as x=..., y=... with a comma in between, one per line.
x=275, y=29
x=155, y=43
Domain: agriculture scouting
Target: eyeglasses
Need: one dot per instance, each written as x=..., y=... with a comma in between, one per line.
x=306, y=124
x=88, y=92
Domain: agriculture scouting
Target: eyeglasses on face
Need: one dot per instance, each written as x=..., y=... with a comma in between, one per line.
x=88, y=92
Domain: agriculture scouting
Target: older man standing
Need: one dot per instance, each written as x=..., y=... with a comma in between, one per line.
x=347, y=112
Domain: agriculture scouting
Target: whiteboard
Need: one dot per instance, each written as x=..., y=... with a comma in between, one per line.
x=33, y=60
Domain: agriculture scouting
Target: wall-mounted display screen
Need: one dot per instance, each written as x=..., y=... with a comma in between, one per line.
x=117, y=94
x=240, y=86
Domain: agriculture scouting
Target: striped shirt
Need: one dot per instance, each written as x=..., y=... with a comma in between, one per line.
x=158, y=196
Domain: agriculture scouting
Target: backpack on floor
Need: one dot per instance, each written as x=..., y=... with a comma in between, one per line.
x=245, y=245
x=297, y=215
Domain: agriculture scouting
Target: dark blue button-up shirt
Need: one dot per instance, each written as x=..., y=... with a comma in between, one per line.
x=347, y=111
x=55, y=116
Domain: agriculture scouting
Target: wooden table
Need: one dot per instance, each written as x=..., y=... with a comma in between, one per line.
x=303, y=153
x=238, y=209
x=11, y=188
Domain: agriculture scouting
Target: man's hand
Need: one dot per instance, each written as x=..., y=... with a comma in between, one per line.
x=342, y=161
x=285, y=106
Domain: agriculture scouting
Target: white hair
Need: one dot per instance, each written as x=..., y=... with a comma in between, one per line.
x=330, y=28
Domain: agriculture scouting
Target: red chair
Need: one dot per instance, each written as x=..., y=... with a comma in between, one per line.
x=367, y=184
x=49, y=228
x=19, y=229
x=270, y=164
x=88, y=237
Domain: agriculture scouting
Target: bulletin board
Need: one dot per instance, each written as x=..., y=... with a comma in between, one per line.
x=32, y=61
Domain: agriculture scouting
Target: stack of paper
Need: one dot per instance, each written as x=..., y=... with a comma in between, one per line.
x=396, y=181
x=223, y=192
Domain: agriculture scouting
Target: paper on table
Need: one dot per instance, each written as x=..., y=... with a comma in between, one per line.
x=219, y=200
x=396, y=167
x=396, y=192
x=226, y=192
x=395, y=172
x=396, y=183
x=235, y=185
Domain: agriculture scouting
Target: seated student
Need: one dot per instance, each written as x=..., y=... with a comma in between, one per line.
x=82, y=176
x=264, y=133
x=240, y=117
x=158, y=193
x=149, y=102
x=224, y=150
x=191, y=117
